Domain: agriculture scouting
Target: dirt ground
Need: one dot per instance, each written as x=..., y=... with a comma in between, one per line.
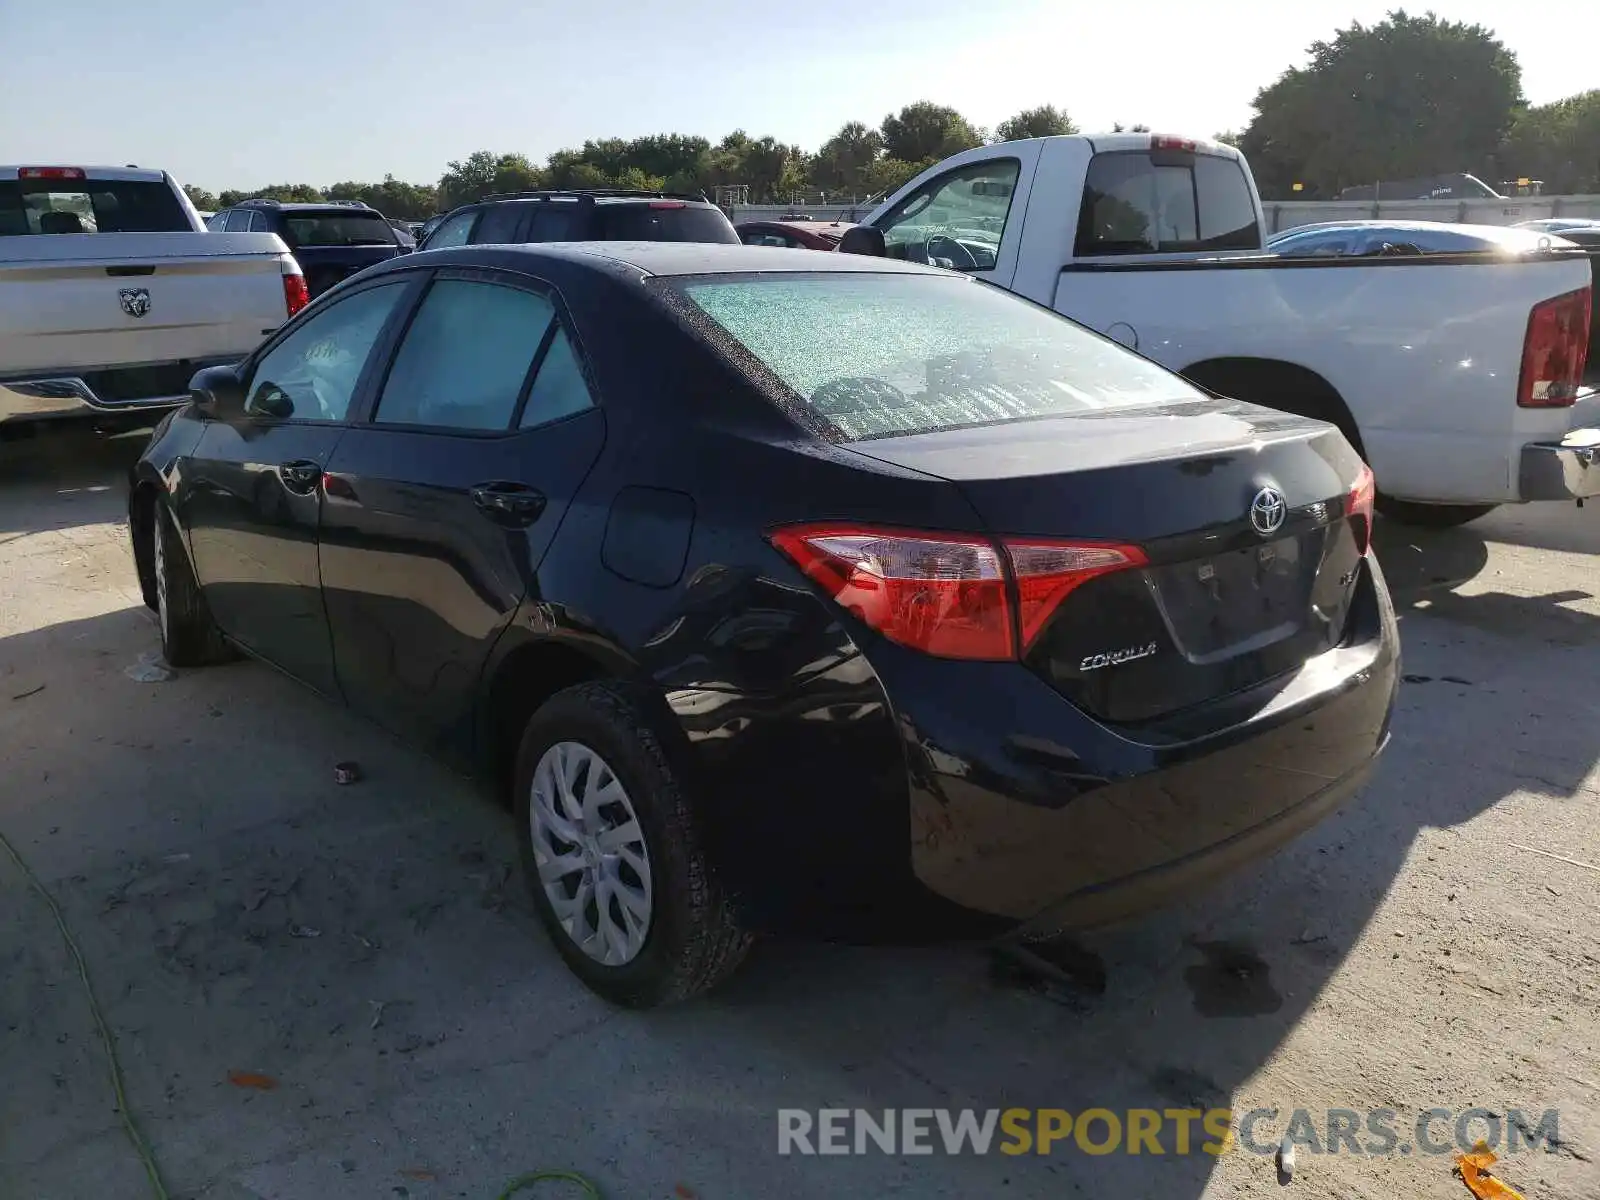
x=371, y=951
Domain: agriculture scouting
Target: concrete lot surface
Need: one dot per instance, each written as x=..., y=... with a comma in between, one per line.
x=370, y=948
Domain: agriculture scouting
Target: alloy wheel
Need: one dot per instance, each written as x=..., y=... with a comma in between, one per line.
x=590, y=854
x=163, y=603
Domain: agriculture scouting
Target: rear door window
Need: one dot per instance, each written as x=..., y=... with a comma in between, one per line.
x=1143, y=202
x=559, y=389
x=465, y=357
x=500, y=223
x=44, y=206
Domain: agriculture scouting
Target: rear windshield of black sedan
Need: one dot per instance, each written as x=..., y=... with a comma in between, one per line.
x=888, y=355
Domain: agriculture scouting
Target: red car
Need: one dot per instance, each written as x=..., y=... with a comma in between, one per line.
x=794, y=232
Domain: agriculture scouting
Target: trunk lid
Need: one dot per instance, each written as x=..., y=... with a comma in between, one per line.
x=189, y=296
x=1225, y=601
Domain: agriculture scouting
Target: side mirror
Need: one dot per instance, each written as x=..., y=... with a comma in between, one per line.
x=217, y=391
x=864, y=239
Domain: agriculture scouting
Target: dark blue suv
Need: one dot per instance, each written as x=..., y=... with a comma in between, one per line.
x=331, y=241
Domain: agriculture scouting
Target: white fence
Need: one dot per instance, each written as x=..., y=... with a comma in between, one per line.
x=1286, y=214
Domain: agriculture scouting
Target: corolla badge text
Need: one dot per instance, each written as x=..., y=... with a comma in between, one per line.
x=1115, y=658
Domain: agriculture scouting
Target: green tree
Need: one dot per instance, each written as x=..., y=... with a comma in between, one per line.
x=1119, y=127
x=1558, y=143
x=889, y=174
x=200, y=198
x=1408, y=96
x=484, y=172
x=1045, y=121
x=927, y=130
x=841, y=163
x=289, y=193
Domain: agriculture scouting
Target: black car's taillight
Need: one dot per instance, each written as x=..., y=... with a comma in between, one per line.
x=951, y=595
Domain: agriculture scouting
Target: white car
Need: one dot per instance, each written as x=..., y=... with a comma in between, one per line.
x=112, y=294
x=1335, y=238
x=1457, y=374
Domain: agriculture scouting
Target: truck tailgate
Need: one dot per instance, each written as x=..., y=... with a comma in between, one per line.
x=112, y=299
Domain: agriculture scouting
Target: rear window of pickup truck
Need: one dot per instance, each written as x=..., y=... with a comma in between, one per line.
x=1139, y=202
x=89, y=206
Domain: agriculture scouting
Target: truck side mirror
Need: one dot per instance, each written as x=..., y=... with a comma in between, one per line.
x=864, y=239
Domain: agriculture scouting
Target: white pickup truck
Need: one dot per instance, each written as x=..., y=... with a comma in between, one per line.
x=1458, y=375
x=112, y=294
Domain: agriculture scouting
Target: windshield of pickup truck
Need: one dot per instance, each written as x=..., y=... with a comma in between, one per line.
x=1149, y=202
x=89, y=206
x=337, y=229
x=886, y=355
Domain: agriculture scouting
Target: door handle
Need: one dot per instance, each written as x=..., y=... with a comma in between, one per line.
x=513, y=504
x=301, y=476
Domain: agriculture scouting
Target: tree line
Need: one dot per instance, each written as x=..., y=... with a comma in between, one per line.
x=1406, y=97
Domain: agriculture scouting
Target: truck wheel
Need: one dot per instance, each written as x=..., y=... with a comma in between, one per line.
x=611, y=853
x=189, y=637
x=1431, y=516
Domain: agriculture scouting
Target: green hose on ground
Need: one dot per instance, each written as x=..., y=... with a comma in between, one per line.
x=114, y=1064
x=523, y=1182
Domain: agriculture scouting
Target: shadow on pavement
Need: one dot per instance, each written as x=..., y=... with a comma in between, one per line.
x=193, y=834
x=65, y=476
x=1425, y=567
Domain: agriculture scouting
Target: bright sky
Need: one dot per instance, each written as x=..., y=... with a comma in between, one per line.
x=316, y=91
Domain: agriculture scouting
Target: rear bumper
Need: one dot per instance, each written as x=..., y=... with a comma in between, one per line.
x=1565, y=470
x=1025, y=810
x=54, y=395
x=1156, y=886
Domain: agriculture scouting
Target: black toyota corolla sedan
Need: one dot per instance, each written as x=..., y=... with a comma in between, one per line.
x=785, y=591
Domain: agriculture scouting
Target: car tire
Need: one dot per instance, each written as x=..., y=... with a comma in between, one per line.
x=1431, y=516
x=189, y=637
x=625, y=804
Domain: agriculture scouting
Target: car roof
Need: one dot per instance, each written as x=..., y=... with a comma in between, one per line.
x=295, y=206
x=799, y=225
x=675, y=258
x=560, y=197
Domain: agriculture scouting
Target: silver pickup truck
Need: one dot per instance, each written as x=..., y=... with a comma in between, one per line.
x=112, y=293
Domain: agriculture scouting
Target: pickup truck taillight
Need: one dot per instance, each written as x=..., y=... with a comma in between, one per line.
x=295, y=294
x=1554, y=351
